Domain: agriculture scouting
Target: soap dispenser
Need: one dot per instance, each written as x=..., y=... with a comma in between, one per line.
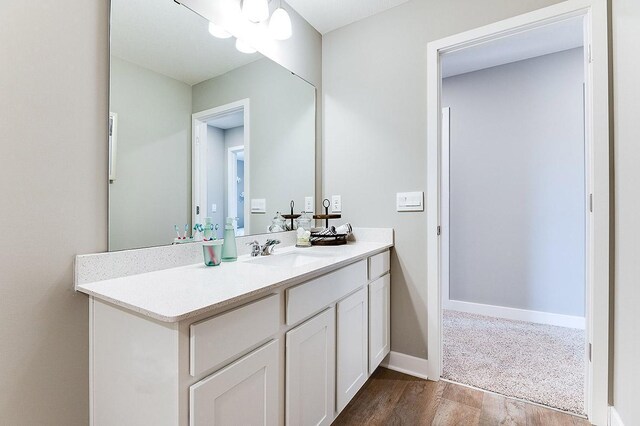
x=229, y=249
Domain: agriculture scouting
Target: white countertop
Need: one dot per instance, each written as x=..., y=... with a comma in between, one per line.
x=172, y=295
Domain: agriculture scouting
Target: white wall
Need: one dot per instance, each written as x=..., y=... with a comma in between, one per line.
x=374, y=96
x=152, y=191
x=281, y=123
x=53, y=181
x=626, y=320
x=517, y=184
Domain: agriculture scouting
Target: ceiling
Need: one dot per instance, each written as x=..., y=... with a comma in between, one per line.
x=170, y=39
x=552, y=38
x=328, y=15
x=228, y=121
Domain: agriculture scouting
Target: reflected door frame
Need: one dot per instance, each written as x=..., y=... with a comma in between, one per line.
x=198, y=155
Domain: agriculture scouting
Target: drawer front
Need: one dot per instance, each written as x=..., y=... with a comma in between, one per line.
x=218, y=339
x=379, y=265
x=315, y=295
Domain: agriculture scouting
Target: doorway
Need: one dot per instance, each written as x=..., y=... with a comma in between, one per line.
x=221, y=159
x=595, y=200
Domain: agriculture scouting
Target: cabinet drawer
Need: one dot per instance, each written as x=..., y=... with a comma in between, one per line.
x=218, y=339
x=379, y=265
x=315, y=295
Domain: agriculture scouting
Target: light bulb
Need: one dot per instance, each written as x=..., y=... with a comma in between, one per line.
x=244, y=47
x=218, y=31
x=280, y=25
x=255, y=10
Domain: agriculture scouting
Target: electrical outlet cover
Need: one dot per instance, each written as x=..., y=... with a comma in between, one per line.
x=336, y=204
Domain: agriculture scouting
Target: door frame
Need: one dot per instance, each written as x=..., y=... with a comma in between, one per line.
x=598, y=179
x=199, y=151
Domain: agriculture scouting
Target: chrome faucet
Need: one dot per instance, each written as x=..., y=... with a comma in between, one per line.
x=264, y=250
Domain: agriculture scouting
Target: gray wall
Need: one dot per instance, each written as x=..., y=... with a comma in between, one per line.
x=53, y=181
x=233, y=137
x=53, y=175
x=626, y=320
x=517, y=194
x=374, y=95
x=216, y=175
x=282, y=143
x=153, y=164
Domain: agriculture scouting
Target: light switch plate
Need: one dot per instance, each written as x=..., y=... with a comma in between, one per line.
x=258, y=205
x=308, y=204
x=214, y=208
x=410, y=201
x=336, y=204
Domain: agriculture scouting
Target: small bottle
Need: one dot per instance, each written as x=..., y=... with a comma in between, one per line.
x=208, y=228
x=229, y=250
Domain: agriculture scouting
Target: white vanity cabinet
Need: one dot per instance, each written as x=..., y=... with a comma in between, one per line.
x=379, y=320
x=293, y=355
x=310, y=374
x=351, y=351
x=244, y=393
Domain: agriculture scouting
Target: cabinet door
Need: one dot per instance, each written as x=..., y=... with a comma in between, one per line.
x=243, y=393
x=310, y=374
x=352, y=347
x=379, y=321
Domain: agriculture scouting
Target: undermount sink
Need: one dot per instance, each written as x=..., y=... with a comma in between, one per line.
x=289, y=259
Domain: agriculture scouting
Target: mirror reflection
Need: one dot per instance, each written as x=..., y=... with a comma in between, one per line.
x=199, y=131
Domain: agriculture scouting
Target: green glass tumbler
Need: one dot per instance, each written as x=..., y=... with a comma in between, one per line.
x=212, y=251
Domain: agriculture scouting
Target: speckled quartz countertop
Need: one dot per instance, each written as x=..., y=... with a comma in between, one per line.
x=175, y=294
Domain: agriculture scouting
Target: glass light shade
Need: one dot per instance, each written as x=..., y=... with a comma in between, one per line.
x=244, y=47
x=280, y=25
x=218, y=31
x=255, y=10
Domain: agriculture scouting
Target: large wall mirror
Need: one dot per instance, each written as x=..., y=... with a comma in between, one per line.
x=199, y=131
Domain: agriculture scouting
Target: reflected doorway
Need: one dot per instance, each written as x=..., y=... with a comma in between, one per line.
x=221, y=165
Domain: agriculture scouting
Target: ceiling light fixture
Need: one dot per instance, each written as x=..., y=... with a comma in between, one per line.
x=256, y=10
x=218, y=31
x=244, y=47
x=280, y=24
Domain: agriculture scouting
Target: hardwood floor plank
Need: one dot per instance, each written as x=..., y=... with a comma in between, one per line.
x=392, y=398
x=463, y=395
x=498, y=410
x=377, y=398
x=540, y=416
x=451, y=413
x=418, y=404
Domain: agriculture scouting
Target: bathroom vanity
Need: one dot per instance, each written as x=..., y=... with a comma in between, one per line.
x=283, y=339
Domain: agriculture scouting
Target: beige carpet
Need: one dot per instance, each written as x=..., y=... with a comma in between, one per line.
x=539, y=363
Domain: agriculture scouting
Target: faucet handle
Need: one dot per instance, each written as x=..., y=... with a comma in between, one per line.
x=255, y=248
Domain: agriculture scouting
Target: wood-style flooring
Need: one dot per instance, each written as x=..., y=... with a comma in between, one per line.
x=392, y=398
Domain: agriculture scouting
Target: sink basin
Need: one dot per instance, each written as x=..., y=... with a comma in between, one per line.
x=290, y=259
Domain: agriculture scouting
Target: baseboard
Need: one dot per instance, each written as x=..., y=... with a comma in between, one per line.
x=406, y=364
x=614, y=417
x=516, y=314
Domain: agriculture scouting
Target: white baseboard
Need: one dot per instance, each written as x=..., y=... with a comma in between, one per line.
x=515, y=314
x=406, y=364
x=614, y=417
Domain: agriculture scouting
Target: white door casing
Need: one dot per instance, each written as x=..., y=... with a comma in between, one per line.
x=597, y=171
